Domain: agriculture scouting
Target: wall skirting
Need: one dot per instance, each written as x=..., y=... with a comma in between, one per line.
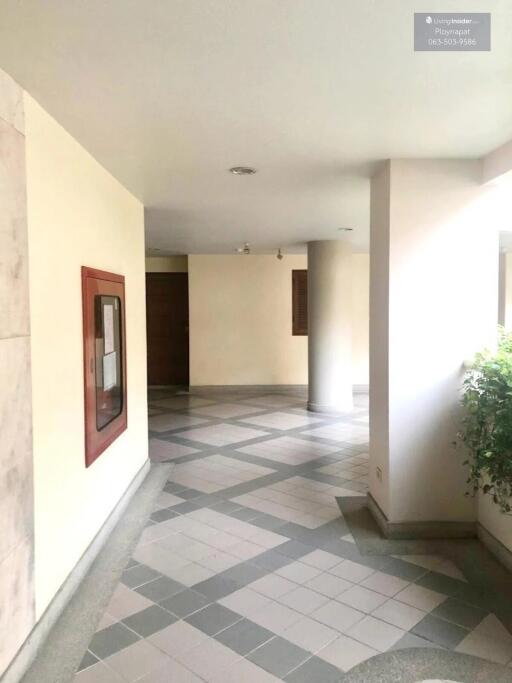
x=244, y=387
x=30, y=648
x=357, y=388
x=494, y=546
x=416, y=530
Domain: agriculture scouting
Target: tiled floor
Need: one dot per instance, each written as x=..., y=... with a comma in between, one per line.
x=247, y=572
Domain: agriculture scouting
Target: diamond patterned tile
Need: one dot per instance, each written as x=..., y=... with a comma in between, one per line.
x=225, y=411
x=288, y=450
x=137, y=660
x=222, y=434
x=278, y=656
x=303, y=600
x=181, y=402
x=216, y=472
x=375, y=633
x=162, y=451
x=422, y=598
x=345, y=653
x=274, y=401
x=281, y=421
x=209, y=659
x=345, y=433
x=399, y=614
x=261, y=583
x=309, y=634
x=439, y=631
x=169, y=421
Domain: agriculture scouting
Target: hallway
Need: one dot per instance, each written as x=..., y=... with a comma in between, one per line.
x=247, y=572
x=256, y=342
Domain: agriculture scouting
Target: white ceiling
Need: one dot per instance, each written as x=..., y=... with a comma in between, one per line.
x=168, y=94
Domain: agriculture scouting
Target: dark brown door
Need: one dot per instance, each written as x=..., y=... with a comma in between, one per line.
x=167, y=328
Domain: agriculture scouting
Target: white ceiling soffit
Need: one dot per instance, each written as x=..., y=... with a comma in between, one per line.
x=169, y=94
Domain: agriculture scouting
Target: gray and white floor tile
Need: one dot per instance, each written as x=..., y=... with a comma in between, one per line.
x=247, y=571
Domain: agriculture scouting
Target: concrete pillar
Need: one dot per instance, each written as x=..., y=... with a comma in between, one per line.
x=505, y=291
x=329, y=326
x=433, y=304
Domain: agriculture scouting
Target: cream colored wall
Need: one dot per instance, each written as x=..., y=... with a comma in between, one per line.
x=78, y=215
x=166, y=264
x=360, y=319
x=241, y=320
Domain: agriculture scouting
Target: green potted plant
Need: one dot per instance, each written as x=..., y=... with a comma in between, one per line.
x=487, y=423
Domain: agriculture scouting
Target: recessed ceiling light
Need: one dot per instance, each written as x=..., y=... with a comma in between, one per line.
x=242, y=170
x=345, y=229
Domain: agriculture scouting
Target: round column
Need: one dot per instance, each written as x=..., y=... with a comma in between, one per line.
x=330, y=326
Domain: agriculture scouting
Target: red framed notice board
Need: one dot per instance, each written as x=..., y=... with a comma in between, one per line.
x=104, y=338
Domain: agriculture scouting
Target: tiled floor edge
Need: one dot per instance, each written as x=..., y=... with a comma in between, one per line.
x=421, y=664
x=475, y=558
x=70, y=620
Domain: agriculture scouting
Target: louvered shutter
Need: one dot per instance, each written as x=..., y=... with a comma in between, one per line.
x=299, y=302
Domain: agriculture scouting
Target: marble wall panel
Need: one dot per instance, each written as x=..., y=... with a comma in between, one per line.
x=17, y=609
x=14, y=299
x=11, y=102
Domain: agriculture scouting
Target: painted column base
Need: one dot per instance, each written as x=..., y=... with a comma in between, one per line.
x=331, y=410
x=416, y=530
x=496, y=547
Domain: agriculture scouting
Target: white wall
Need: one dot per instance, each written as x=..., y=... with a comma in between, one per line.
x=442, y=284
x=77, y=215
x=360, y=320
x=241, y=320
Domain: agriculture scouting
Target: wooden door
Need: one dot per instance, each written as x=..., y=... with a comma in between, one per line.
x=167, y=328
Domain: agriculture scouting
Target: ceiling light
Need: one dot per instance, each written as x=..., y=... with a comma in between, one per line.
x=242, y=170
x=345, y=229
x=246, y=249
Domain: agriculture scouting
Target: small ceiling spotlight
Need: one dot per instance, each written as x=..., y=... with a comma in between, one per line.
x=280, y=254
x=246, y=249
x=345, y=229
x=242, y=170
